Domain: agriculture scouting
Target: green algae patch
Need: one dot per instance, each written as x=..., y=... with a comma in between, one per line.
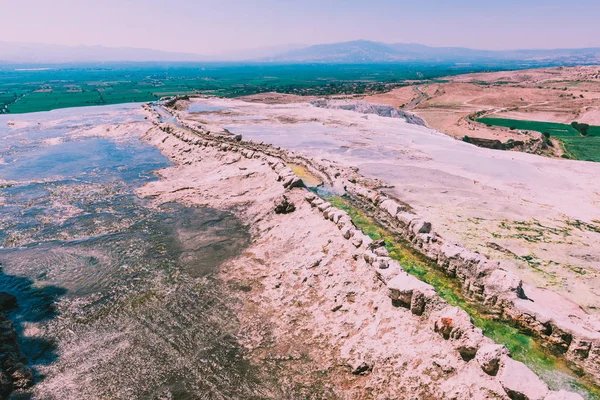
x=523, y=347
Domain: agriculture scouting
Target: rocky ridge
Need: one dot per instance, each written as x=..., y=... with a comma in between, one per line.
x=493, y=286
x=567, y=331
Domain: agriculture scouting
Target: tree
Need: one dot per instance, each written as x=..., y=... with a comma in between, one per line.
x=583, y=129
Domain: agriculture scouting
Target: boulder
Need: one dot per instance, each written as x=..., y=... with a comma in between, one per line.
x=375, y=197
x=277, y=167
x=420, y=226
x=323, y=206
x=357, y=238
x=381, y=262
x=376, y=244
x=387, y=274
x=391, y=207
x=343, y=221
x=405, y=218
x=284, y=206
x=501, y=282
x=488, y=357
x=338, y=215
x=361, y=191
x=369, y=257
x=328, y=213
x=519, y=382
x=381, y=252
x=348, y=231
x=367, y=241
x=310, y=197
x=469, y=343
x=452, y=323
x=317, y=202
x=293, y=182
x=563, y=395
x=407, y=291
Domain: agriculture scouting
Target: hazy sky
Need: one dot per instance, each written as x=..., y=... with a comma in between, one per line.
x=213, y=26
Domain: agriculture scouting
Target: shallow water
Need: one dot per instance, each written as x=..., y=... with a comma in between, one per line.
x=198, y=107
x=116, y=298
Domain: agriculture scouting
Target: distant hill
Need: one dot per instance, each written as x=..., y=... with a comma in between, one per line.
x=359, y=51
x=363, y=51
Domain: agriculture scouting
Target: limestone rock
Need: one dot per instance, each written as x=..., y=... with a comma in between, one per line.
x=420, y=226
x=339, y=215
x=284, y=206
x=376, y=244
x=469, y=342
x=323, y=206
x=317, y=202
x=328, y=213
x=405, y=218
x=343, y=221
x=488, y=357
x=357, y=238
x=369, y=257
x=381, y=252
x=389, y=273
x=391, y=207
x=452, y=323
x=348, y=231
x=292, y=181
x=520, y=382
x=501, y=282
x=310, y=197
x=367, y=241
x=382, y=262
x=410, y=292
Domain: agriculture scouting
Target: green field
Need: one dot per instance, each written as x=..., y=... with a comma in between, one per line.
x=585, y=148
x=30, y=88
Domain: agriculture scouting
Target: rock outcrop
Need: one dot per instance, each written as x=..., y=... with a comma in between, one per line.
x=481, y=278
x=452, y=323
x=484, y=281
x=520, y=382
x=284, y=206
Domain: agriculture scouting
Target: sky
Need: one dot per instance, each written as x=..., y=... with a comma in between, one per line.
x=220, y=26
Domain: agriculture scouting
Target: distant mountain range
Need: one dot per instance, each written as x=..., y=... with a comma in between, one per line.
x=360, y=51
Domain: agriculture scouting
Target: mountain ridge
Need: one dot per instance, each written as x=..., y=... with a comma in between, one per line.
x=357, y=51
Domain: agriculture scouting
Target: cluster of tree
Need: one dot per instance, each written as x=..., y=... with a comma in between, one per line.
x=581, y=128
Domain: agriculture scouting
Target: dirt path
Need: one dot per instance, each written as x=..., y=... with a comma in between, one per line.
x=421, y=96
